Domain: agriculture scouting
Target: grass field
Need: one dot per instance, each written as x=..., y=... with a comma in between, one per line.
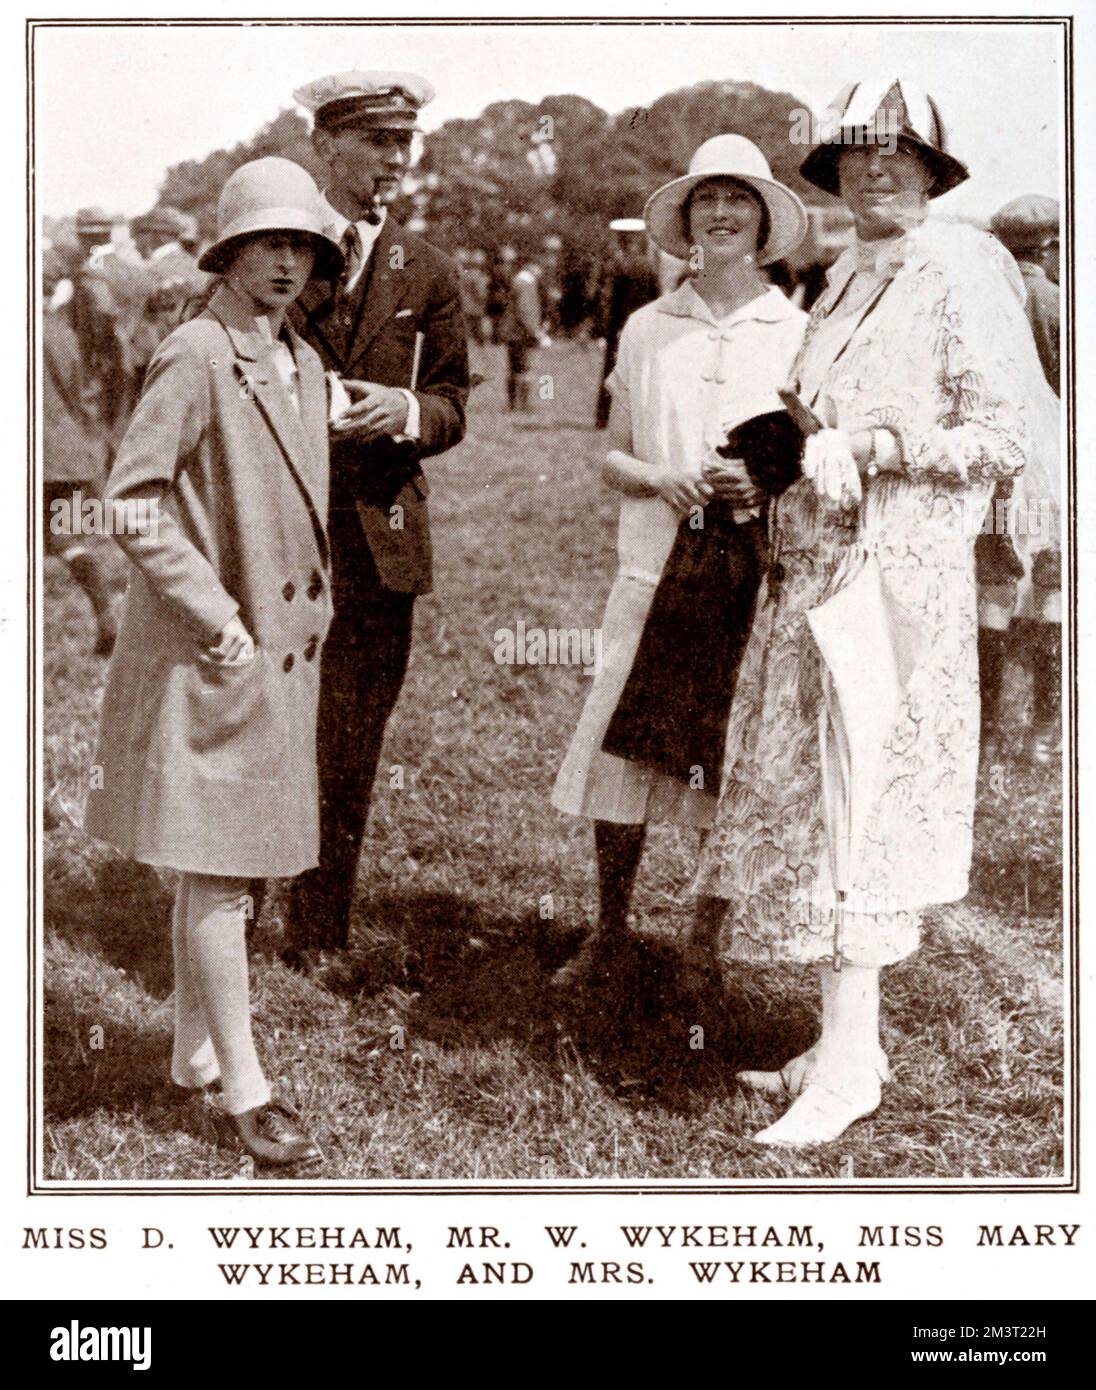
x=452, y=952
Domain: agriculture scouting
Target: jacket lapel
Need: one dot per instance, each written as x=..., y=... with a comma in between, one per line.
x=383, y=286
x=312, y=389
x=258, y=375
x=314, y=316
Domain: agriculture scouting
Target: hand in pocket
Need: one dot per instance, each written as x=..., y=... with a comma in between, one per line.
x=234, y=646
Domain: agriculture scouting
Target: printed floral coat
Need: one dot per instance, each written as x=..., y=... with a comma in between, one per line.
x=946, y=361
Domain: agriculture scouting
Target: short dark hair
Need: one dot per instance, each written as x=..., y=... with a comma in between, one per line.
x=764, y=227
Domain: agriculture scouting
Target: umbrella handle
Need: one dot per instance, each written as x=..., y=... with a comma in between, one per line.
x=838, y=923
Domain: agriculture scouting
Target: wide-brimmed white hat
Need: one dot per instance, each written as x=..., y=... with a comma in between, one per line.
x=271, y=195
x=730, y=157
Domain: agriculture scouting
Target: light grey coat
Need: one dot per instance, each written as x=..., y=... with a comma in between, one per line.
x=204, y=768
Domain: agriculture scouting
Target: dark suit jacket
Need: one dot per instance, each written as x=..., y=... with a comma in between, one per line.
x=408, y=286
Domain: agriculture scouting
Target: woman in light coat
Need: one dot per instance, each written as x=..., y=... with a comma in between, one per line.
x=206, y=760
x=919, y=359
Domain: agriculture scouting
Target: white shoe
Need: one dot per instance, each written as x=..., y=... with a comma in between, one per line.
x=795, y=1075
x=827, y=1106
x=788, y=1081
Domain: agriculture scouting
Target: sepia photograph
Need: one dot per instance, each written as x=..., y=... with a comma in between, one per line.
x=553, y=622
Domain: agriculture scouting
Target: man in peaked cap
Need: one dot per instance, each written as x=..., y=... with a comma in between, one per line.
x=392, y=331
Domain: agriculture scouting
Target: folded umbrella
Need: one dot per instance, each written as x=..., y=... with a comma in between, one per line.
x=870, y=645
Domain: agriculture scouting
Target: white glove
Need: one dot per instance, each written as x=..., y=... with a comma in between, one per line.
x=828, y=462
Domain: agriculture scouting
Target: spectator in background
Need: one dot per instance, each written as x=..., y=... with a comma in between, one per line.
x=107, y=301
x=630, y=281
x=174, y=280
x=1025, y=581
x=521, y=328
x=473, y=292
x=73, y=451
x=550, y=261
x=190, y=237
x=499, y=276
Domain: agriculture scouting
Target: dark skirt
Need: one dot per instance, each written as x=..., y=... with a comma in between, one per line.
x=672, y=714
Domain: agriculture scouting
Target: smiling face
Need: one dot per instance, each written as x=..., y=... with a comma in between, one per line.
x=724, y=219
x=272, y=268
x=364, y=164
x=885, y=190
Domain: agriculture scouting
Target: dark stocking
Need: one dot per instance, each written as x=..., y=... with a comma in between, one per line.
x=618, y=850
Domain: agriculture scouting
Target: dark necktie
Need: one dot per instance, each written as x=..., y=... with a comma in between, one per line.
x=352, y=255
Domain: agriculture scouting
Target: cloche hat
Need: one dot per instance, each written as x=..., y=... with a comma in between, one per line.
x=271, y=195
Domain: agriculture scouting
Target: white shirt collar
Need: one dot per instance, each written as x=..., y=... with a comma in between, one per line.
x=367, y=231
x=771, y=306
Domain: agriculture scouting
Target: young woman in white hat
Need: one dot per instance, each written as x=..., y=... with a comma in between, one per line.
x=206, y=758
x=920, y=362
x=690, y=365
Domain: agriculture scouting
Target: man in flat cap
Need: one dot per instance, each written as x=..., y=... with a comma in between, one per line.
x=1029, y=227
x=392, y=331
x=174, y=281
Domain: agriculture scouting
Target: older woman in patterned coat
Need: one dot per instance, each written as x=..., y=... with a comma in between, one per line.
x=919, y=357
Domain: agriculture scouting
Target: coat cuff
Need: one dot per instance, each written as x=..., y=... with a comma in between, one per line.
x=214, y=616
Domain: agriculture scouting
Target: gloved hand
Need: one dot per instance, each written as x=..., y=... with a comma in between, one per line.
x=828, y=461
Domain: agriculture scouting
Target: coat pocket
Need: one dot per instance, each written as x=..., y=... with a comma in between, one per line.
x=233, y=728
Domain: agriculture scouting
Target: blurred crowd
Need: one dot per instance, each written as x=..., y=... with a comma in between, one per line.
x=107, y=304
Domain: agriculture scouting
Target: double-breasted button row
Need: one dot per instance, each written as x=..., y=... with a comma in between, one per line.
x=312, y=646
x=314, y=590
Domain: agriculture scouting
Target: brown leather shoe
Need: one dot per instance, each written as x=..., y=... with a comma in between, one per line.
x=273, y=1133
